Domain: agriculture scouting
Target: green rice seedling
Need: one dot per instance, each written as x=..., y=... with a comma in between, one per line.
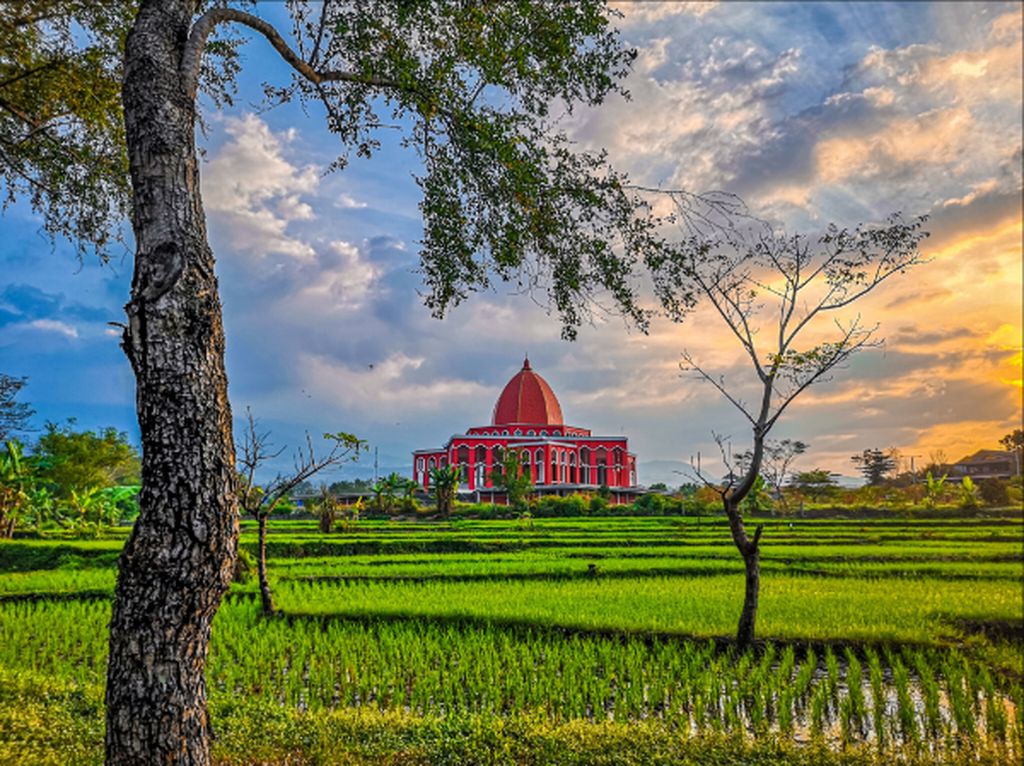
x=832, y=669
x=878, y=701
x=995, y=708
x=819, y=711
x=804, y=677
x=847, y=723
x=855, y=692
x=929, y=692
x=905, y=705
x=958, y=694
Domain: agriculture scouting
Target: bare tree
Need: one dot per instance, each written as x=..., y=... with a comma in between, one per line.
x=771, y=290
x=260, y=500
x=779, y=456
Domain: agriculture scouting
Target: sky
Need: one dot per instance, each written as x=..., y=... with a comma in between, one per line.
x=812, y=113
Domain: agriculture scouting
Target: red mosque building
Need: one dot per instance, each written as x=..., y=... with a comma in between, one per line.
x=560, y=458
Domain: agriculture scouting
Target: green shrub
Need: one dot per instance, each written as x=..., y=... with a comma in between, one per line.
x=994, y=493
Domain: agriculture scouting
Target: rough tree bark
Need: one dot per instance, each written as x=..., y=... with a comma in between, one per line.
x=266, y=597
x=177, y=564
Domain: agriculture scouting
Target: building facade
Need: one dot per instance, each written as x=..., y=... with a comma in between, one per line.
x=560, y=459
x=986, y=464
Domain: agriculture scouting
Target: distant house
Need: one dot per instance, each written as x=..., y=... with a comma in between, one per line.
x=985, y=464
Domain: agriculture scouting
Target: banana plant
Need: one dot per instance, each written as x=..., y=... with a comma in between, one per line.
x=445, y=480
x=933, y=489
x=968, y=493
x=409, y=489
x=16, y=485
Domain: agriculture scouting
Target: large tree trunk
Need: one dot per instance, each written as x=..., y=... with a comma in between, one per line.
x=178, y=561
x=266, y=597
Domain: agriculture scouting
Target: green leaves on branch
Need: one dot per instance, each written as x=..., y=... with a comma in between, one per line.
x=511, y=477
x=62, y=145
x=474, y=87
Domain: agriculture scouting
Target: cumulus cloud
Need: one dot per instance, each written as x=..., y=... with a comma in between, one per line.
x=343, y=285
x=254, y=192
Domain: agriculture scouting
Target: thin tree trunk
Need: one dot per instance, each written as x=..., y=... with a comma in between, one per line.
x=178, y=561
x=750, y=549
x=326, y=521
x=266, y=597
x=748, y=617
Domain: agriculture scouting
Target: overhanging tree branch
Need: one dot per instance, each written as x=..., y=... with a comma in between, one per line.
x=204, y=26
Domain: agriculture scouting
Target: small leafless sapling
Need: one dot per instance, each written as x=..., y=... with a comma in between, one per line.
x=774, y=292
x=779, y=456
x=260, y=500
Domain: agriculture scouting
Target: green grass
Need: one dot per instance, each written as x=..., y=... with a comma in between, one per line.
x=491, y=642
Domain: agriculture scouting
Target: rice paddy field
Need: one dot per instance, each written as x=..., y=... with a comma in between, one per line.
x=576, y=641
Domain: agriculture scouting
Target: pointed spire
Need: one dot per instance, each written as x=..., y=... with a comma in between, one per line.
x=526, y=362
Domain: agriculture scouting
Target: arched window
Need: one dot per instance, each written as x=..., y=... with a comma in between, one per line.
x=556, y=433
x=585, y=466
x=519, y=432
x=480, y=477
x=497, y=460
x=573, y=477
x=602, y=465
x=531, y=432
x=538, y=457
x=505, y=432
x=543, y=433
x=431, y=464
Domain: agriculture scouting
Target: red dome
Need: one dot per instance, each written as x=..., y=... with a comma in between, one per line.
x=527, y=399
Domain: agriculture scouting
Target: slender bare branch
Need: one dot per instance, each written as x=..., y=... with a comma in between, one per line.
x=690, y=365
